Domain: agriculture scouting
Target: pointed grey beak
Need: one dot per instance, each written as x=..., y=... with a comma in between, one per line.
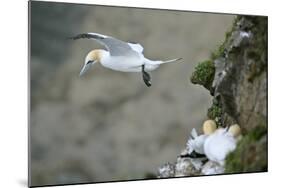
x=85, y=68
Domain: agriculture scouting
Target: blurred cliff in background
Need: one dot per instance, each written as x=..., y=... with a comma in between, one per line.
x=108, y=125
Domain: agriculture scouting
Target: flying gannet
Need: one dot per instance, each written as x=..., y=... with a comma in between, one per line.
x=119, y=56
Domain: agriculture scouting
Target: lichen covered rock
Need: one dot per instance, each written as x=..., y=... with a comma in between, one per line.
x=186, y=167
x=211, y=168
x=166, y=171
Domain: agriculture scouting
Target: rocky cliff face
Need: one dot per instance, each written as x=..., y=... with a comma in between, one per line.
x=240, y=83
x=236, y=76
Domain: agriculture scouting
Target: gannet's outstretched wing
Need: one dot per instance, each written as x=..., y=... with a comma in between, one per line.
x=136, y=46
x=114, y=46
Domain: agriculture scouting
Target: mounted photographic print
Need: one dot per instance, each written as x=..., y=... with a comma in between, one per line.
x=124, y=93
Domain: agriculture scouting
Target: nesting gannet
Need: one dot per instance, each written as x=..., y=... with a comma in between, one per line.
x=219, y=144
x=120, y=56
x=196, y=143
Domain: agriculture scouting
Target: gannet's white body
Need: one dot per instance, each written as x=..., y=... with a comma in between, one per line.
x=125, y=64
x=120, y=56
x=196, y=143
x=219, y=144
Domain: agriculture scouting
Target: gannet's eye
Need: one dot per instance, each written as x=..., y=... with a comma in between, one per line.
x=89, y=62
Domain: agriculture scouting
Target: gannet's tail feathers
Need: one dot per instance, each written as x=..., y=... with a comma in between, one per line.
x=191, y=141
x=150, y=62
x=172, y=60
x=193, y=133
x=190, y=145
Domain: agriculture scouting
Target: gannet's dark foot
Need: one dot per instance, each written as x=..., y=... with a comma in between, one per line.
x=146, y=77
x=193, y=155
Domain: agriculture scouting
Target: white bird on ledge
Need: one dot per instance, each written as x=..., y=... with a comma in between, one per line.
x=120, y=56
x=223, y=141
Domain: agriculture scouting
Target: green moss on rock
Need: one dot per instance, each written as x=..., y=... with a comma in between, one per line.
x=214, y=112
x=250, y=154
x=204, y=74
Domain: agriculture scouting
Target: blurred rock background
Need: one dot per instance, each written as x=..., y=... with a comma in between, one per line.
x=108, y=125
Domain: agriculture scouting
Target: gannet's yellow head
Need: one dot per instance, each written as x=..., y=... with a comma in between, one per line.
x=235, y=130
x=209, y=127
x=91, y=58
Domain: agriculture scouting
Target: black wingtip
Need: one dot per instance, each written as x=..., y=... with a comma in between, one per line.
x=86, y=36
x=180, y=60
x=80, y=36
x=69, y=38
